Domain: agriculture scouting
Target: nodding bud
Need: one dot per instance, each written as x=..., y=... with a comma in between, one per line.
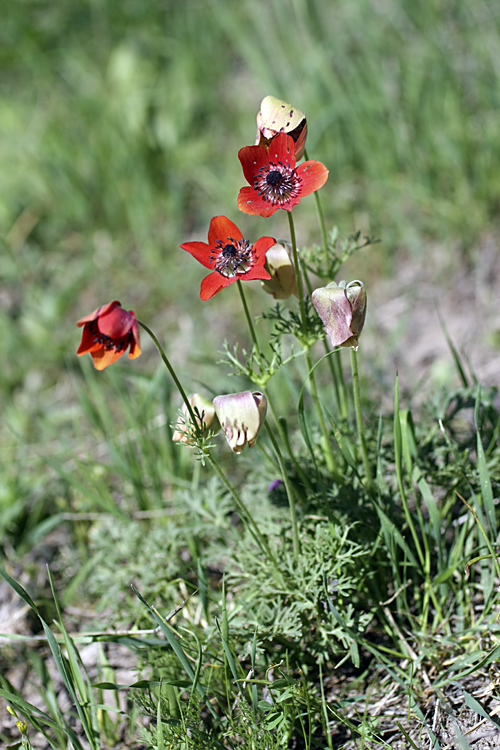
x=204, y=412
x=276, y=116
x=279, y=265
x=241, y=415
x=342, y=308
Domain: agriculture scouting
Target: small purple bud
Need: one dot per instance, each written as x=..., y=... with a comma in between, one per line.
x=274, y=485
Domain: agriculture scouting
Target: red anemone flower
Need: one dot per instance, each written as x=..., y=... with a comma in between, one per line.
x=275, y=180
x=229, y=256
x=107, y=332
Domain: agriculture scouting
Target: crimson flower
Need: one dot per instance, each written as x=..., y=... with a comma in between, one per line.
x=229, y=256
x=275, y=180
x=107, y=332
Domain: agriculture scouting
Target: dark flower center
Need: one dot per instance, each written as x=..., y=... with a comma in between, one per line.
x=274, y=178
x=229, y=251
x=277, y=183
x=232, y=257
x=119, y=344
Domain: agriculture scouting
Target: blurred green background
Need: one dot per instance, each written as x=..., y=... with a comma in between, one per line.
x=120, y=124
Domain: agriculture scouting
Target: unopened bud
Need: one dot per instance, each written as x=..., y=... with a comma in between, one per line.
x=279, y=265
x=342, y=308
x=22, y=726
x=241, y=415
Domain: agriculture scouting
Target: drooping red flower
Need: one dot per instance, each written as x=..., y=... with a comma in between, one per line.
x=107, y=333
x=229, y=256
x=275, y=180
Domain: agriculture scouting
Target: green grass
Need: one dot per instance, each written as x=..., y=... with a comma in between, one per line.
x=119, y=130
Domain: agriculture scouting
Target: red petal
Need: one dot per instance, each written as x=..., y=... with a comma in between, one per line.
x=252, y=158
x=199, y=250
x=100, y=311
x=250, y=202
x=221, y=228
x=214, y=283
x=313, y=175
x=256, y=272
x=87, y=344
x=260, y=248
x=116, y=323
x=282, y=149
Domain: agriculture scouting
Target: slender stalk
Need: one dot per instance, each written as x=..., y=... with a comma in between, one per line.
x=359, y=420
x=289, y=492
x=321, y=218
x=284, y=438
x=243, y=510
x=337, y=366
x=174, y=377
x=334, y=362
x=298, y=274
x=338, y=383
x=323, y=229
x=281, y=431
x=327, y=448
x=248, y=316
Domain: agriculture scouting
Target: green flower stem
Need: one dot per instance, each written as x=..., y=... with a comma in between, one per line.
x=321, y=218
x=327, y=448
x=289, y=492
x=337, y=385
x=329, y=457
x=265, y=391
x=334, y=362
x=248, y=317
x=339, y=378
x=323, y=228
x=298, y=274
x=359, y=420
x=242, y=509
x=176, y=380
x=284, y=438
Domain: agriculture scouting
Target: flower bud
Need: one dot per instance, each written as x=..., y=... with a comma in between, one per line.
x=277, y=116
x=342, y=308
x=22, y=726
x=241, y=415
x=202, y=407
x=279, y=265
